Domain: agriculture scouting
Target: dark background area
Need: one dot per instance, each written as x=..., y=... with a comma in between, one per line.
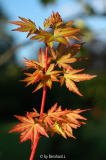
x=15, y=99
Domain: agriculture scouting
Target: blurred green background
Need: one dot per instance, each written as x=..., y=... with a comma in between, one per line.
x=15, y=99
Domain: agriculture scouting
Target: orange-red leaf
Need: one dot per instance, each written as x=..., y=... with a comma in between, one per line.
x=55, y=20
x=62, y=62
x=73, y=49
x=58, y=129
x=29, y=63
x=77, y=34
x=30, y=129
x=33, y=78
x=65, y=32
x=71, y=76
x=42, y=58
x=72, y=87
x=67, y=129
x=39, y=73
x=52, y=53
x=54, y=114
x=80, y=77
x=61, y=48
x=62, y=32
x=64, y=55
x=62, y=80
x=62, y=40
x=40, y=85
x=67, y=24
x=62, y=122
x=50, y=70
x=26, y=26
x=48, y=77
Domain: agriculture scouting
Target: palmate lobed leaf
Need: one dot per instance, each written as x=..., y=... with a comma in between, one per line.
x=54, y=114
x=49, y=76
x=33, y=78
x=63, y=55
x=55, y=120
x=46, y=78
x=43, y=36
x=53, y=75
x=30, y=128
x=49, y=38
x=62, y=121
x=39, y=73
x=35, y=125
x=42, y=59
x=30, y=64
x=73, y=49
x=62, y=32
x=65, y=32
x=72, y=87
x=62, y=62
x=63, y=50
x=40, y=65
x=26, y=26
x=67, y=24
x=62, y=40
x=70, y=76
x=55, y=20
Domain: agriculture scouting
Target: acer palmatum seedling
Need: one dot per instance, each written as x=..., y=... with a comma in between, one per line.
x=35, y=125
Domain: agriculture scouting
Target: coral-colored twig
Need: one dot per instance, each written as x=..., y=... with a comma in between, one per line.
x=34, y=149
x=46, y=57
x=42, y=106
x=43, y=99
x=45, y=87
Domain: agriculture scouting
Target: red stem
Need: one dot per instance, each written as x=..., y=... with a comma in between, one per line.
x=42, y=106
x=43, y=99
x=46, y=57
x=34, y=149
x=45, y=87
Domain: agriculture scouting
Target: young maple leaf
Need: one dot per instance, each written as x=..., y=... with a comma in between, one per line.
x=29, y=26
x=33, y=78
x=62, y=122
x=54, y=21
x=39, y=66
x=49, y=76
x=64, y=50
x=44, y=36
x=64, y=55
x=30, y=128
x=66, y=32
x=70, y=76
x=54, y=114
x=49, y=38
x=46, y=78
x=26, y=26
x=62, y=62
x=62, y=32
x=77, y=34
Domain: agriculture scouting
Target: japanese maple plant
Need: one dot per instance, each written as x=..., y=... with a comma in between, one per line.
x=35, y=125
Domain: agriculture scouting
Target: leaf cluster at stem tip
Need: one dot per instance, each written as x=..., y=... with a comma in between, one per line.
x=53, y=67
